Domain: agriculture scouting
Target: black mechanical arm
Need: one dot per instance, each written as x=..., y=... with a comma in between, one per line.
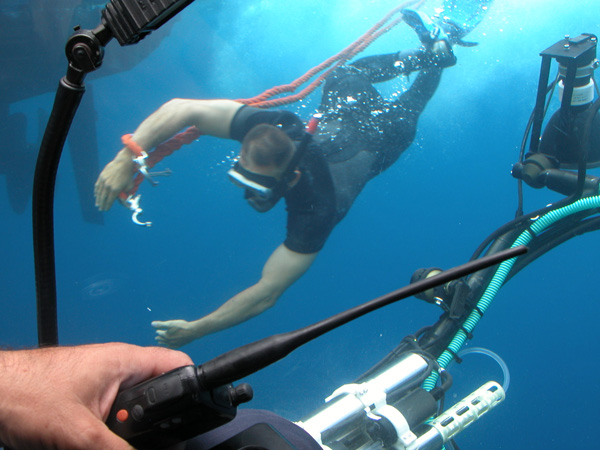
x=128, y=21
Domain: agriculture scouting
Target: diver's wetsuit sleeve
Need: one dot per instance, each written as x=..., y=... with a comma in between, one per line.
x=247, y=117
x=307, y=233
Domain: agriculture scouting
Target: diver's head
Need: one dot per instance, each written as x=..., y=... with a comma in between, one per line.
x=263, y=168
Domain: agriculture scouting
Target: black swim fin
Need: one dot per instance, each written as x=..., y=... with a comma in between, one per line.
x=459, y=17
x=456, y=19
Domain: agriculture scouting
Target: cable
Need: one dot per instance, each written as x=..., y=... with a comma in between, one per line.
x=501, y=274
x=495, y=357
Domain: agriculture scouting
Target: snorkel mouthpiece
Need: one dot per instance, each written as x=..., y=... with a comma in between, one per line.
x=258, y=203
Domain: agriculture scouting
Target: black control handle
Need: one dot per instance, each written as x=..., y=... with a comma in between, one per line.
x=173, y=407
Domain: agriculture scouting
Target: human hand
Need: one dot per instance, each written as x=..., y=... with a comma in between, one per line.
x=115, y=178
x=174, y=333
x=60, y=397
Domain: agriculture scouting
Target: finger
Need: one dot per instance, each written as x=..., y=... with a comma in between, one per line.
x=150, y=362
x=160, y=325
x=80, y=429
x=101, y=199
x=106, y=439
x=98, y=193
x=96, y=189
x=106, y=197
x=107, y=200
x=165, y=342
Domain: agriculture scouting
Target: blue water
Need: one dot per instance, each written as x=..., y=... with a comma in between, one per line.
x=449, y=190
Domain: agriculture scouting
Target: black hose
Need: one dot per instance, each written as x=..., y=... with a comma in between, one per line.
x=518, y=222
x=551, y=239
x=68, y=97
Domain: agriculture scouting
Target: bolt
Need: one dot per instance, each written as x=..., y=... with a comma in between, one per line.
x=567, y=46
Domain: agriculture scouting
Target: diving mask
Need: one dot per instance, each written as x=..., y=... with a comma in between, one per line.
x=259, y=185
x=262, y=192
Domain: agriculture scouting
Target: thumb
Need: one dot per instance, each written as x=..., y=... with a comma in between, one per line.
x=93, y=433
x=106, y=439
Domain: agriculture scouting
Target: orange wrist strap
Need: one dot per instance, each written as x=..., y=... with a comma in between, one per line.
x=127, y=140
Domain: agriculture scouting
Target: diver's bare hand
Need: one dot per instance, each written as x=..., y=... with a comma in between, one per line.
x=174, y=333
x=114, y=179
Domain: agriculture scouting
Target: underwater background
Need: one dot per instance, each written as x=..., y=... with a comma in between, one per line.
x=447, y=192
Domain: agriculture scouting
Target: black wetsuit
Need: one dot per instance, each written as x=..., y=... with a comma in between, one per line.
x=360, y=136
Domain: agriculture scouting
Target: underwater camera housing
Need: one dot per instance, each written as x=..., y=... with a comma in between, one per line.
x=571, y=139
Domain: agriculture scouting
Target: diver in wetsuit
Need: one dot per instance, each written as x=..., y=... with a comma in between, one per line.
x=360, y=136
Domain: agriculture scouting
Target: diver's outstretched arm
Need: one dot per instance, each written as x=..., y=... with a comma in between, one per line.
x=282, y=269
x=210, y=117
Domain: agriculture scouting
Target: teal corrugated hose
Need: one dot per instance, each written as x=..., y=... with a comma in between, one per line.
x=500, y=276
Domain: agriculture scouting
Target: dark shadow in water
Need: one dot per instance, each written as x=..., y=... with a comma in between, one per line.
x=100, y=286
x=33, y=35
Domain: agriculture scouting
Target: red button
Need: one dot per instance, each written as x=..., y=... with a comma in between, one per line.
x=122, y=415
